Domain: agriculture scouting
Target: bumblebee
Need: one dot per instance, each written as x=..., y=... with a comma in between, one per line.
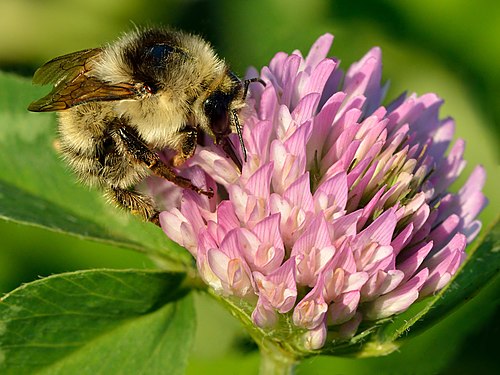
x=119, y=105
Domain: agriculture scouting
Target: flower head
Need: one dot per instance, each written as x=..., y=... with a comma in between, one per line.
x=342, y=211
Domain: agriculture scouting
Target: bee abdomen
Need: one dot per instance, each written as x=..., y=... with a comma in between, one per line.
x=104, y=167
x=88, y=144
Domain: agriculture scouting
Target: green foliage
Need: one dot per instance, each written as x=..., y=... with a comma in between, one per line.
x=100, y=321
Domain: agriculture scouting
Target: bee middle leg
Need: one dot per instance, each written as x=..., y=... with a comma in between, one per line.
x=138, y=149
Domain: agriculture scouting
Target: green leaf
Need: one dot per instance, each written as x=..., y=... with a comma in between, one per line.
x=97, y=321
x=37, y=189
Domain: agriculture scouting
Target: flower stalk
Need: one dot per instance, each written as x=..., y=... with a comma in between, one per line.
x=275, y=361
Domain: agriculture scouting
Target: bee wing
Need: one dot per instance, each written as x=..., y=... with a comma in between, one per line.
x=73, y=85
x=64, y=68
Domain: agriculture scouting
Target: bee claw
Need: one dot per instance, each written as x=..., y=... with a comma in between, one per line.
x=209, y=193
x=155, y=219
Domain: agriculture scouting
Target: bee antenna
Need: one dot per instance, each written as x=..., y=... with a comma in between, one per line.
x=236, y=121
x=247, y=82
x=240, y=133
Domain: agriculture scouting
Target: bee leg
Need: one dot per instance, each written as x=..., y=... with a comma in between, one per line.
x=138, y=149
x=139, y=204
x=160, y=169
x=188, y=145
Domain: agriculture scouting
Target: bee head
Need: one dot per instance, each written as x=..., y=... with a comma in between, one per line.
x=221, y=108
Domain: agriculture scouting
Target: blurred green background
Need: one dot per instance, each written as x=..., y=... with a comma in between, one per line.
x=448, y=47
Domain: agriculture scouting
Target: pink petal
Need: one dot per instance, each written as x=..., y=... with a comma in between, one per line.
x=444, y=231
x=217, y=165
x=402, y=239
x=343, y=308
x=259, y=183
x=306, y=108
x=380, y=231
x=322, y=126
x=369, y=208
x=289, y=159
x=315, y=338
x=426, y=121
x=264, y=315
x=277, y=63
x=263, y=253
x=286, y=126
x=456, y=244
x=311, y=310
x=346, y=225
x=381, y=282
x=229, y=266
x=319, y=76
x=441, y=275
x=312, y=250
x=315, y=235
x=206, y=244
x=420, y=217
x=257, y=141
x=278, y=288
x=413, y=258
x=442, y=138
x=355, y=281
x=449, y=169
x=226, y=219
x=398, y=300
x=319, y=50
x=177, y=228
x=340, y=145
x=331, y=196
x=299, y=193
x=268, y=102
x=364, y=78
x=334, y=279
x=268, y=230
x=290, y=73
x=349, y=328
x=293, y=218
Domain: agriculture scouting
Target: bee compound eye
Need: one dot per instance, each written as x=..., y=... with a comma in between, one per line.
x=216, y=108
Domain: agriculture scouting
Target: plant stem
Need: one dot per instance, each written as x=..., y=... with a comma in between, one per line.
x=275, y=361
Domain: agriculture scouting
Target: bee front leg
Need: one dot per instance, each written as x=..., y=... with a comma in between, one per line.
x=187, y=147
x=140, y=152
